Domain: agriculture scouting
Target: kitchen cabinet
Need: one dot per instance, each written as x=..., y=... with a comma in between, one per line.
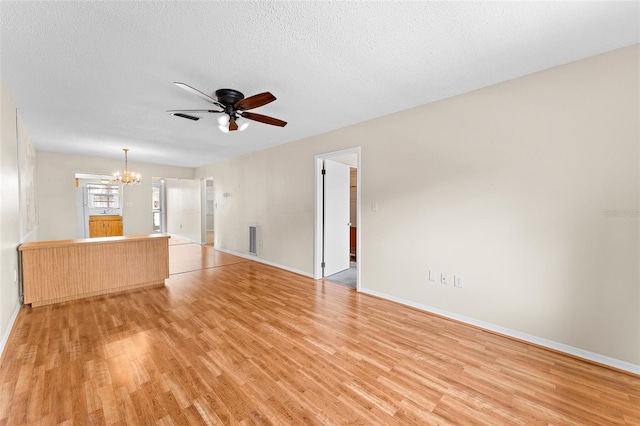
x=105, y=226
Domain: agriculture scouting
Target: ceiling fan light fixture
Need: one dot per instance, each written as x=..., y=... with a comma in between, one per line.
x=223, y=123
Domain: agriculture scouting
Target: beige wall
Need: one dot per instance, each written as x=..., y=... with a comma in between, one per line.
x=272, y=189
x=509, y=185
x=9, y=213
x=183, y=208
x=56, y=192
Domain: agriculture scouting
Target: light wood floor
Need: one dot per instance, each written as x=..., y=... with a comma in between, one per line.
x=230, y=341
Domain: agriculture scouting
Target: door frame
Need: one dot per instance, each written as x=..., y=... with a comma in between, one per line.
x=319, y=207
x=163, y=207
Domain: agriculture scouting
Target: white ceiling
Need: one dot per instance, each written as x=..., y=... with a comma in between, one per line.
x=94, y=77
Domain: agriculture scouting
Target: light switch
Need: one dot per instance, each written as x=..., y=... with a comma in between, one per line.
x=457, y=281
x=444, y=279
x=432, y=275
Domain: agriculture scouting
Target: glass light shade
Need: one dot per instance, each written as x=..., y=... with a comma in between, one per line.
x=223, y=122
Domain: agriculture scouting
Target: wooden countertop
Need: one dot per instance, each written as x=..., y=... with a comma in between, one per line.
x=105, y=217
x=102, y=240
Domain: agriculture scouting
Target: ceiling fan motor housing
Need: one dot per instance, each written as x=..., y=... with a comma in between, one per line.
x=229, y=97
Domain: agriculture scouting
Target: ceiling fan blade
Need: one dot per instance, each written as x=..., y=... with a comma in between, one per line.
x=263, y=119
x=179, y=114
x=198, y=93
x=171, y=111
x=254, y=101
x=232, y=124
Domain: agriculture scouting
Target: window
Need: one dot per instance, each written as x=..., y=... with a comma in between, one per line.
x=103, y=196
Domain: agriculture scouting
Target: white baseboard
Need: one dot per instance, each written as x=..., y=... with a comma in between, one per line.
x=266, y=262
x=7, y=332
x=550, y=344
x=184, y=238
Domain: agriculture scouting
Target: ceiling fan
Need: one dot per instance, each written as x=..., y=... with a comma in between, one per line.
x=233, y=104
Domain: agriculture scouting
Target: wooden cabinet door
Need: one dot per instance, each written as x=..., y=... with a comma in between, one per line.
x=105, y=226
x=96, y=228
x=114, y=228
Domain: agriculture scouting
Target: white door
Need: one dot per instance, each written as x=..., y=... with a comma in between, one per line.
x=336, y=217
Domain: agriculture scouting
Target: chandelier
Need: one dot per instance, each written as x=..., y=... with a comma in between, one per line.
x=127, y=177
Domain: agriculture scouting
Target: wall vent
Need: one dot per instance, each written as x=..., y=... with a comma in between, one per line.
x=253, y=239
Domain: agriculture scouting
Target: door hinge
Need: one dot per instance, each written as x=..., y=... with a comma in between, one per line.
x=324, y=172
x=322, y=265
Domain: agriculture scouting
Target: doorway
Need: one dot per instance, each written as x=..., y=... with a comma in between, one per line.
x=96, y=195
x=158, y=207
x=208, y=207
x=337, y=217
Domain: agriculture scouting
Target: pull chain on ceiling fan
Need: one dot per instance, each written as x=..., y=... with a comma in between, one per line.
x=233, y=104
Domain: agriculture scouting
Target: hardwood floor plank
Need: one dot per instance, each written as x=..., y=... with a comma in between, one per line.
x=230, y=341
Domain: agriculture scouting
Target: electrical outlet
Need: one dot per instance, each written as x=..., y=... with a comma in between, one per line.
x=444, y=279
x=457, y=281
x=432, y=275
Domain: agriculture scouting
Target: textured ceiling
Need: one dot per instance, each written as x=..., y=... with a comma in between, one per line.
x=94, y=77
